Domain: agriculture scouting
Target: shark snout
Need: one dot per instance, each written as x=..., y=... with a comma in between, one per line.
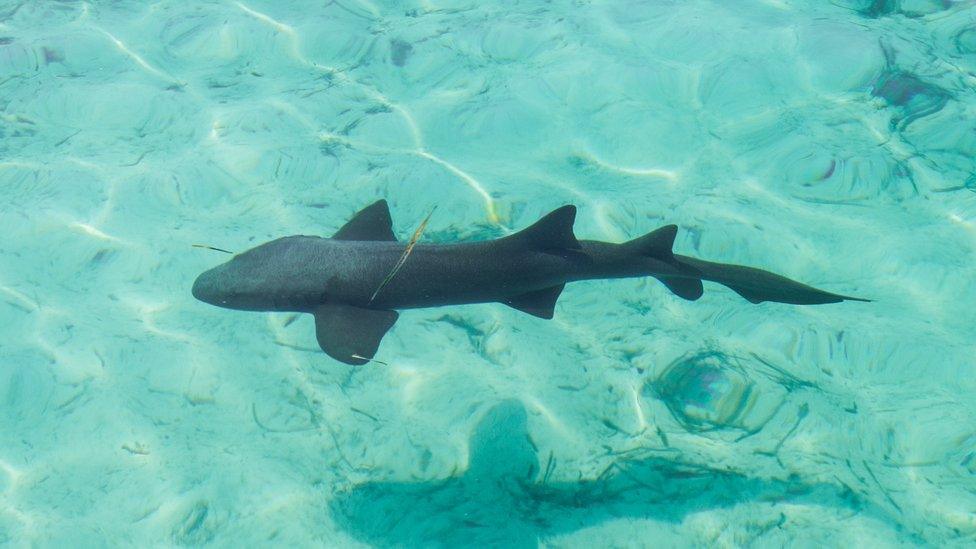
x=228, y=287
x=206, y=288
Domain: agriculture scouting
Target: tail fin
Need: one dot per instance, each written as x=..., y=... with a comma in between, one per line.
x=757, y=285
x=683, y=275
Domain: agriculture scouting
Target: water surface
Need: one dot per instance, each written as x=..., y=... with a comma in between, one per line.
x=832, y=142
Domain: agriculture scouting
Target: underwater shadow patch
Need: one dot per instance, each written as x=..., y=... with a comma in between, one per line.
x=503, y=499
x=908, y=96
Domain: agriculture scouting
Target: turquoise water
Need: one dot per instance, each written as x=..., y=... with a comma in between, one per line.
x=832, y=142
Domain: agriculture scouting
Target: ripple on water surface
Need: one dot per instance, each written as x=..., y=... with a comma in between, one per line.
x=830, y=141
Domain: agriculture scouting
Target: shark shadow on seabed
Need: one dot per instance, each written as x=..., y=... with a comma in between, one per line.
x=504, y=499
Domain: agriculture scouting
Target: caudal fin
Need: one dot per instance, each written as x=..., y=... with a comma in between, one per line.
x=683, y=275
x=757, y=285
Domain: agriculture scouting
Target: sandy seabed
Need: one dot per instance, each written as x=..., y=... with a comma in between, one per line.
x=832, y=142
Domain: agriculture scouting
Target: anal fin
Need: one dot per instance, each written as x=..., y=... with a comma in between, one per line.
x=540, y=303
x=351, y=334
x=685, y=288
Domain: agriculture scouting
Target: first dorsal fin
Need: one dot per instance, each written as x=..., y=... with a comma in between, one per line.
x=371, y=223
x=657, y=243
x=553, y=232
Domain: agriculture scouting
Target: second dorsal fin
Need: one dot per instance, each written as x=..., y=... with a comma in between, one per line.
x=370, y=223
x=657, y=243
x=553, y=232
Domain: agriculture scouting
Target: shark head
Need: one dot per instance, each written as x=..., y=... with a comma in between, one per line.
x=253, y=280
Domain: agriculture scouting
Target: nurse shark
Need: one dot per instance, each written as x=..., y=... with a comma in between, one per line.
x=355, y=281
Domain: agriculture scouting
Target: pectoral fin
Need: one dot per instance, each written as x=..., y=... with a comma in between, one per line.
x=351, y=334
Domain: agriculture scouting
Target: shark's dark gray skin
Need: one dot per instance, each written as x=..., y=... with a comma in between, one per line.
x=335, y=278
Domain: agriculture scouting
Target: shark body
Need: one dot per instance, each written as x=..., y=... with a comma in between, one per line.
x=345, y=282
